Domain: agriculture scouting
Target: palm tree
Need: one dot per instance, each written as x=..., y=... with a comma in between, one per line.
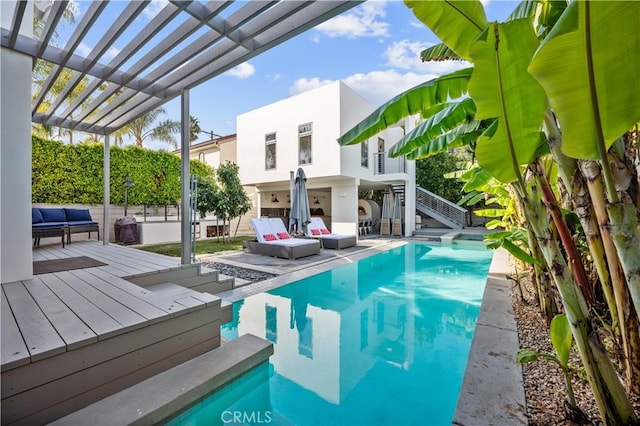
x=145, y=128
x=194, y=128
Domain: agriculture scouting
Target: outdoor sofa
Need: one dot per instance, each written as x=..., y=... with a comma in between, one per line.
x=52, y=222
x=274, y=240
x=318, y=229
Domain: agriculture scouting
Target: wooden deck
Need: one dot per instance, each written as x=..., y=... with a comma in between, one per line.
x=73, y=337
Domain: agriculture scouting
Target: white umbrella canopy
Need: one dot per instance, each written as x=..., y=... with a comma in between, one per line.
x=300, y=215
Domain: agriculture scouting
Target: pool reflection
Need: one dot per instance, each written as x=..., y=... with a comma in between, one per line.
x=350, y=341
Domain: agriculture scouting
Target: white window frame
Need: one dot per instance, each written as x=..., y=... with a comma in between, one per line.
x=270, y=139
x=305, y=157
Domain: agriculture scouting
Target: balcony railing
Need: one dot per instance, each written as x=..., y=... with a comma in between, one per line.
x=383, y=165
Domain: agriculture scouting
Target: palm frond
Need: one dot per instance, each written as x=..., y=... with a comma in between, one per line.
x=410, y=102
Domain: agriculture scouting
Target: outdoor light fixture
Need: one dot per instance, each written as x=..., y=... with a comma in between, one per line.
x=316, y=201
x=274, y=198
x=127, y=183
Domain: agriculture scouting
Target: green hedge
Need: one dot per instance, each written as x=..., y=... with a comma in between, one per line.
x=63, y=174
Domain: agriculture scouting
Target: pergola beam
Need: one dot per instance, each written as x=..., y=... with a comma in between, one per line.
x=114, y=95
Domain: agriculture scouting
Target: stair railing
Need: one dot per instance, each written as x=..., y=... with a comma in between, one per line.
x=446, y=208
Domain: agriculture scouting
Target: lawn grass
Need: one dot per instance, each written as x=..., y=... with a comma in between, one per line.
x=202, y=246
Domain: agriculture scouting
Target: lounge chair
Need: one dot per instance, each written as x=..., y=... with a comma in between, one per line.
x=317, y=229
x=274, y=240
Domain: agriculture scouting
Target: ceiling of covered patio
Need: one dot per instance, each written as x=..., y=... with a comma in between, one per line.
x=144, y=53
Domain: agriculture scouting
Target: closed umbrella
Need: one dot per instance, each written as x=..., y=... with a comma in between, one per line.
x=300, y=215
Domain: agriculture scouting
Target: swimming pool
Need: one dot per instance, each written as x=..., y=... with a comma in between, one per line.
x=382, y=341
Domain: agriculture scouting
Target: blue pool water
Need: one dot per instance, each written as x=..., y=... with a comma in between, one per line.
x=383, y=341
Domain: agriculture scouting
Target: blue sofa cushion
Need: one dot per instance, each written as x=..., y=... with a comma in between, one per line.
x=50, y=225
x=74, y=215
x=36, y=216
x=82, y=223
x=53, y=215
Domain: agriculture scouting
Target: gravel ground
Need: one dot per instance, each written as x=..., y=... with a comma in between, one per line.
x=245, y=274
x=543, y=380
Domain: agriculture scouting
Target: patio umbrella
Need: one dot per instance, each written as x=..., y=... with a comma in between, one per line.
x=386, y=215
x=300, y=216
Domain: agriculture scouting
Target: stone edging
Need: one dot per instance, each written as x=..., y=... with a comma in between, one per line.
x=492, y=391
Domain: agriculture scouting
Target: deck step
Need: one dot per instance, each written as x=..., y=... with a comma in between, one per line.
x=190, y=282
x=152, y=278
x=226, y=312
x=184, y=296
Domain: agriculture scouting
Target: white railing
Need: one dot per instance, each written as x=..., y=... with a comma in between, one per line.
x=444, y=207
x=383, y=165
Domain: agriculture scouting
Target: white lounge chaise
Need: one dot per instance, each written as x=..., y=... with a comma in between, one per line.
x=274, y=240
x=318, y=229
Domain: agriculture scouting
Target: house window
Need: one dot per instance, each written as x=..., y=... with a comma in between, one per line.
x=304, y=143
x=364, y=154
x=271, y=323
x=201, y=157
x=364, y=329
x=270, y=151
x=305, y=339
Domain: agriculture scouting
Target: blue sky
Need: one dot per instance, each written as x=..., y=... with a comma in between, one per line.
x=373, y=48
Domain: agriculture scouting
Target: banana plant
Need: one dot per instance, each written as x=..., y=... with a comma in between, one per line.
x=502, y=89
x=594, y=93
x=561, y=340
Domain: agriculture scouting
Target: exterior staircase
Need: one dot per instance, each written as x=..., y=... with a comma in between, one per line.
x=440, y=209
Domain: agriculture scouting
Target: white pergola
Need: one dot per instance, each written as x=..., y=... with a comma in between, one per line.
x=181, y=45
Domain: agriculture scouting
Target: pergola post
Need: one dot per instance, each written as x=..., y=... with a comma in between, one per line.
x=106, y=203
x=185, y=180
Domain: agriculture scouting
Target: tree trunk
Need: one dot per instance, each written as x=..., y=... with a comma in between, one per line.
x=626, y=312
x=613, y=403
x=575, y=261
x=235, y=233
x=546, y=299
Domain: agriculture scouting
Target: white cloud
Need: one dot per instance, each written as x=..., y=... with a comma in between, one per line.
x=377, y=86
x=111, y=53
x=362, y=21
x=242, y=71
x=406, y=55
x=154, y=8
x=83, y=50
x=305, y=84
x=274, y=77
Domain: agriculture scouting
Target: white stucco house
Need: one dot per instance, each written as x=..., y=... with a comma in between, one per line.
x=302, y=131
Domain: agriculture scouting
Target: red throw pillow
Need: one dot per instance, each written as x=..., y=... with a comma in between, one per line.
x=315, y=232
x=283, y=235
x=269, y=237
x=325, y=231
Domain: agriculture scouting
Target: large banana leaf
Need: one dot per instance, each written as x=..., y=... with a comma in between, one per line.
x=439, y=52
x=460, y=136
x=589, y=66
x=413, y=101
x=444, y=120
x=544, y=12
x=456, y=22
x=502, y=88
